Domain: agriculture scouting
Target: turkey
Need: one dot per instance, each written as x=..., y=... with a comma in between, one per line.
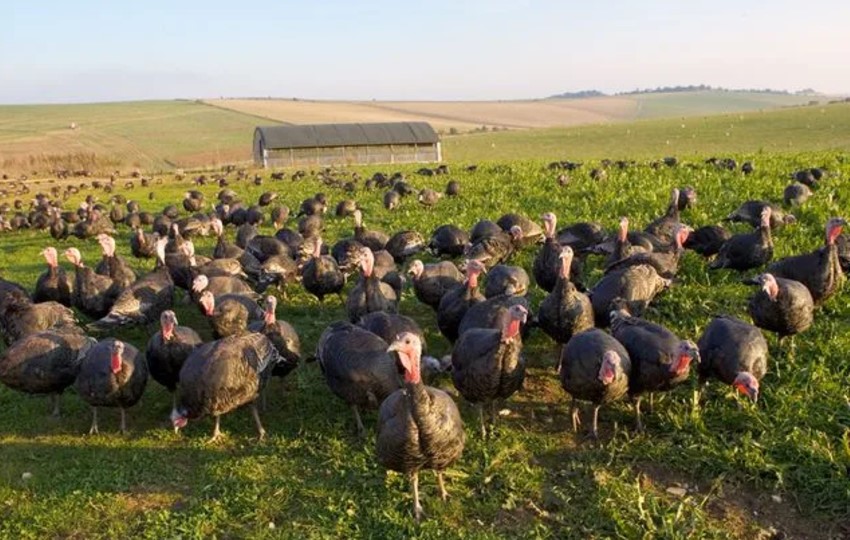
x=54, y=285
x=143, y=301
x=282, y=335
x=405, y=244
x=733, y=352
x=595, y=367
x=223, y=249
x=356, y=367
x=708, y=240
x=626, y=244
x=346, y=253
x=751, y=212
x=455, y=303
x=796, y=194
x=493, y=249
x=45, y=362
x=113, y=265
x=432, y=281
x=389, y=325
x=142, y=244
x=93, y=294
x=547, y=262
x=428, y=197
x=113, y=374
x=532, y=233
x=820, y=270
x=374, y=240
x=491, y=313
x=488, y=365
x=193, y=201
x=419, y=427
x=229, y=314
x=370, y=294
x=392, y=200
x=448, y=240
x=636, y=285
x=665, y=263
x=660, y=360
x=782, y=305
x=168, y=349
x=507, y=280
x=321, y=275
x=219, y=285
x=746, y=251
x=223, y=375
x=581, y=236
x=565, y=311
x=664, y=228
x=20, y=317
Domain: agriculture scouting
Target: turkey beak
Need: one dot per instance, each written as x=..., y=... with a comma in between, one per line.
x=510, y=290
x=753, y=393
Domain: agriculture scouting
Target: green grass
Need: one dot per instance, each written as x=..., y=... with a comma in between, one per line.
x=314, y=478
x=153, y=135
x=666, y=105
x=785, y=131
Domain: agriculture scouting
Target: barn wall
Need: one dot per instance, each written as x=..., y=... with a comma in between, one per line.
x=351, y=155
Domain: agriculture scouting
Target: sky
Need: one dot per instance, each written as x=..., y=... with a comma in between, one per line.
x=56, y=51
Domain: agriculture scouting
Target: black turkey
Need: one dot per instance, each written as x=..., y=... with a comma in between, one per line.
x=229, y=314
x=223, y=375
x=448, y=240
x=143, y=301
x=565, y=311
x=820, y=271
x=507, y=280
x=455, y=303
x=432, y=281
x=54, y=285
x=595, y=367
x=93, y=294
x=356, y=367
x=370, y=293
x=168, y=349
x=781, y=305
x=419, y=427
x=751, y=212
x=113, y=374
x=282, y=335
x=321, y=275
x=488, y=365
x=636, y=285
x=45, y=362
x=746, y=251
x=660, y=360
x=733, y=352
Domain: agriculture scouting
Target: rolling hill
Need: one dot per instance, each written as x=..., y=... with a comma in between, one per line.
x=163, y=135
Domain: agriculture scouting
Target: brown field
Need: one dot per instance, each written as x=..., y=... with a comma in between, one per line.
x=469, y=115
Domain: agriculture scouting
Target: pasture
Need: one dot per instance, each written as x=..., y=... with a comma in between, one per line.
x=725, y=470
x=167, y=135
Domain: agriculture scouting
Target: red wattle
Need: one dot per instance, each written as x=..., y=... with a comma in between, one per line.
x=115, y=363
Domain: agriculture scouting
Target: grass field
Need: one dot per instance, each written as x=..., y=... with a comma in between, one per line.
x=782, y=464
x=164, y=135
x=785, y=131
x=152, y=135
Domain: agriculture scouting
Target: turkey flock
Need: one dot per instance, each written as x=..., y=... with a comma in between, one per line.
x=375, y=359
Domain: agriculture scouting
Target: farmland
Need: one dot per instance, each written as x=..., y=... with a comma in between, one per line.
x=722, y=471
x=165, y=135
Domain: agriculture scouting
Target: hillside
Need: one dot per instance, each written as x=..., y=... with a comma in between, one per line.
x=146, y=134
x=813, y=128
x=162, y=135
x=466, y=116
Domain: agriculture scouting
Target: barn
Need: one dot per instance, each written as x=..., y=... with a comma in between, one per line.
x=344, y=144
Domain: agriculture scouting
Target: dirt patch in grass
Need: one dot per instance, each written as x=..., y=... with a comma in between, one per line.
x=748, y=513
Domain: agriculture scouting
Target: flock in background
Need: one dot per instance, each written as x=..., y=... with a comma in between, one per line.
x=374, y=360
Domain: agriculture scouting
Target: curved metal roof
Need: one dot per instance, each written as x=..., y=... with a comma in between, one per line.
x=325, y=135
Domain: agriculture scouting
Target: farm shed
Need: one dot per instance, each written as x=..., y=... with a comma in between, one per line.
x=343, y=144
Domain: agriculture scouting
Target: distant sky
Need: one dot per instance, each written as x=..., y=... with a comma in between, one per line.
x=73, y=51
